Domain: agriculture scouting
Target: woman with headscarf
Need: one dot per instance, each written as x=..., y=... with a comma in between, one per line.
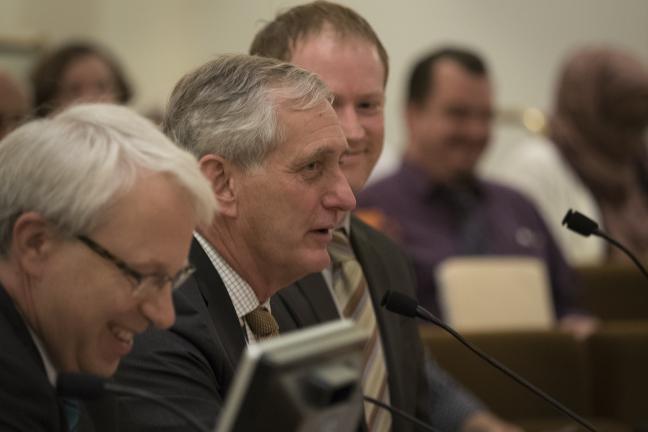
x=594, y=158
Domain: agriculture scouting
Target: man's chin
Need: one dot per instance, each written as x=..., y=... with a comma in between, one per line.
x=318, y=262
x=464, y=177
x=101, y=367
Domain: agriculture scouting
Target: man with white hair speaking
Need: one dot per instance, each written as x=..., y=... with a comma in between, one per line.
x=89, y=251
x=268, y=140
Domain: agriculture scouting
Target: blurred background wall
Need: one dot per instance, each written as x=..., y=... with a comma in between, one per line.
x=159, y=40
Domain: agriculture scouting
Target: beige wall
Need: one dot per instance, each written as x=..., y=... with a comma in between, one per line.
x=159, y=40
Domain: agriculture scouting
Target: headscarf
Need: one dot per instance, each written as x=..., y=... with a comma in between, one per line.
x=599, y=125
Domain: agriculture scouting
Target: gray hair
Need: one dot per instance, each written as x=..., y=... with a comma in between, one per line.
x=72, y=167
x=229, y=106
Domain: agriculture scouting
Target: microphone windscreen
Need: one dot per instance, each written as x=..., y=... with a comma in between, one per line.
x=579, y=223
x=80, y=386
x=399, y=303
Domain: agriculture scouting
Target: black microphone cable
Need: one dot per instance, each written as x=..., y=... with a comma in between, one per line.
x=393, y=410
x=87, y=386
x=404, y=305
x=91, y=387
x=583, y=225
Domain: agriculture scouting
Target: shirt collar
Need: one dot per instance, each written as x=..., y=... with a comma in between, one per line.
x=241, y=293
x=345, y=224
x=415, y=179
x=52, y=374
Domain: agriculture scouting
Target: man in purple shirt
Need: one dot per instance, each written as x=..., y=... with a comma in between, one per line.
x=438, y=205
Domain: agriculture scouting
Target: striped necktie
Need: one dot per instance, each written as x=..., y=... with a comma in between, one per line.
x=352, y=295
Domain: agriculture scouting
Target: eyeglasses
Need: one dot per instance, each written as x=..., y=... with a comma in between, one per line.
x=144, y=284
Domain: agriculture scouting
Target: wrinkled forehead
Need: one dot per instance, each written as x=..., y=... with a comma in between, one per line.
x=304, y=131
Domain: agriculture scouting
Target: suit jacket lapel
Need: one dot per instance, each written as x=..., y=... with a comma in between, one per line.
x=218, y=302
x=19, y=327
x=372, y=266
x=8, y=309
x=318, y=294
x=305, y=303
x=375, y=271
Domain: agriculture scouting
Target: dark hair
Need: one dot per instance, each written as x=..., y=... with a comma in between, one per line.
x=277, y=38
x=47, y=74
x=420, y=84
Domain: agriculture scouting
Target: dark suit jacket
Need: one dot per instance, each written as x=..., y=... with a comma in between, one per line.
x=309, y=302
x=28, y=401
x=193, y=363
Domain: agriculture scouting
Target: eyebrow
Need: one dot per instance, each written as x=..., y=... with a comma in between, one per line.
x=370, y=95
x=320, y=153
x=151, y=266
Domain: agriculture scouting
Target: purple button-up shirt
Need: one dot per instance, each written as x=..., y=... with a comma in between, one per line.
x=435, y=222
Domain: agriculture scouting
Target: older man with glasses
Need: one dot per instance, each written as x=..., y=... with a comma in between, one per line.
x=146, y=283
x=77, y=191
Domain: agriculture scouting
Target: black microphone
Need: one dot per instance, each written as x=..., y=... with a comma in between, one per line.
x=581, y=224
x=404, y=305
x=90, y=387
x=400, y=413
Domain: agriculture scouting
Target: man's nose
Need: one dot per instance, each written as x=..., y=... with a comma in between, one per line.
x=159, y=310
x=340, y=197
x=351, y=125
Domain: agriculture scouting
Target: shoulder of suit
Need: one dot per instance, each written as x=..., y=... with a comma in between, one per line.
x=362, y=232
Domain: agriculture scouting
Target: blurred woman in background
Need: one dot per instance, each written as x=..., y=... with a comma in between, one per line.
x=74, y=73
x=14, y=104
x=594, y=158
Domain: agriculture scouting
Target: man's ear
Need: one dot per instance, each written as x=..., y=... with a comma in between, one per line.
x=32, y=242
x=221, y=173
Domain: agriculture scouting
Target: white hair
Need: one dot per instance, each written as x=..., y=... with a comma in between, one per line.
x=71, y=167
x=229, y=106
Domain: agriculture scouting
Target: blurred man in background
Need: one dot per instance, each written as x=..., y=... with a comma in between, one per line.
x=439, y=204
